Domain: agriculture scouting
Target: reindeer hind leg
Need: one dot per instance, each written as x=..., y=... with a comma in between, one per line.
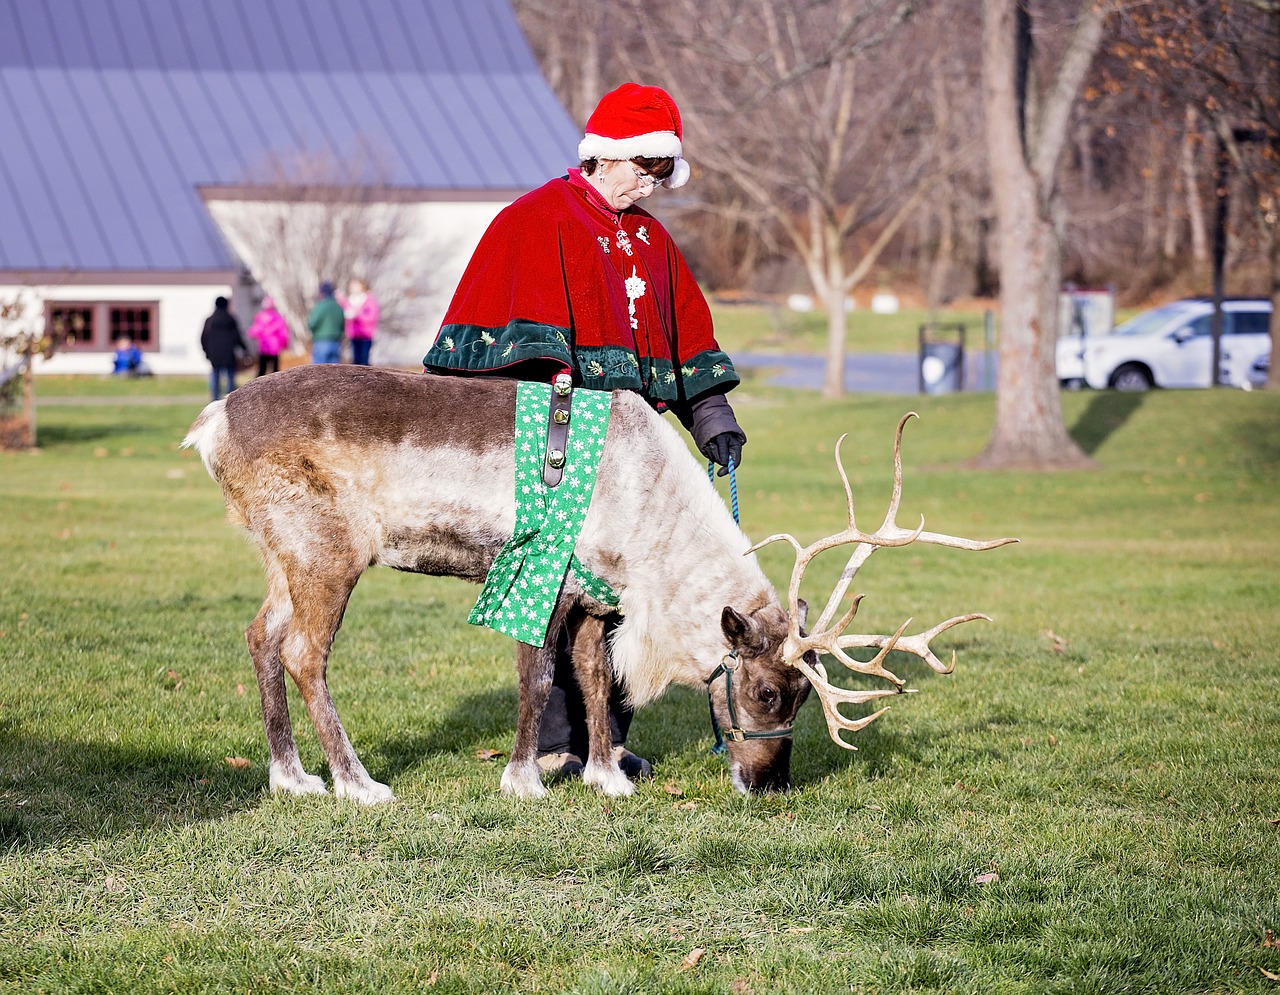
x=319, y=600
x=264, y=636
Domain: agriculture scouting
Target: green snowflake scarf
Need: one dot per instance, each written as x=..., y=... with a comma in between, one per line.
x=525, y=580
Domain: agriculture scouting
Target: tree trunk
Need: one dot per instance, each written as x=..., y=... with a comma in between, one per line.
x=837, y=325
x=29, y=401
x=1191, y=185
x=1028, y=432
x=1273, y=373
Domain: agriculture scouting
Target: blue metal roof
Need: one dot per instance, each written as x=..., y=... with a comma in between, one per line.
x=114, y=113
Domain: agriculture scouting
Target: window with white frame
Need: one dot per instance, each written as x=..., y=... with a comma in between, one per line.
x=94, y=326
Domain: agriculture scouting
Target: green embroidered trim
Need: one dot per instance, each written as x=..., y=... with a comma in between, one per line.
x=524, y=582
x=610, y=367
x=708, y=369
x=470, y=347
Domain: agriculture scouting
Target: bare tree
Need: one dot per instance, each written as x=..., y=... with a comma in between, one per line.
x=315, y=218
x=1223, y=60
x=20, y=344
x=1027, y=126
x=818, y=117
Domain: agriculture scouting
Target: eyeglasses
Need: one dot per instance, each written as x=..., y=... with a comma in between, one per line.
x=646, y=181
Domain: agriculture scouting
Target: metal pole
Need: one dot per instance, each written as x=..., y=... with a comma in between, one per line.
x=1219, y=259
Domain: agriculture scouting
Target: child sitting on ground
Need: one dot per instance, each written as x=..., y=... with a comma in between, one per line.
x=127, y=361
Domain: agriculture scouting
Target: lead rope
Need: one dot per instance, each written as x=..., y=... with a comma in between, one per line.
x=720, y=749
x=733, y=485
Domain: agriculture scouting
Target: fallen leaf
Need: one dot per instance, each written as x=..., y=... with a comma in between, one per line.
x=1269, y=940
x=691, y=958
x=1273, y=977
x=741, y=986
x=1058, y=644
x=113, y=883
x=1275, y=822
x=671, y=789
x=990, y=878
x=686, y=806
x=239, y=690
x=238, y=763
x=174, y=679
x=487, y=754
x=795, y=930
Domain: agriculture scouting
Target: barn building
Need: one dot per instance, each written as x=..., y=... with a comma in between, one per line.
x=154, y=150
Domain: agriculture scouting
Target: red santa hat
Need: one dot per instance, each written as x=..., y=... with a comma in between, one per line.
x=634, y=121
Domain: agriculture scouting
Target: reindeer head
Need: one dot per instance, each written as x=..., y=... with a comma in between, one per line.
x=770, y=696
x=754, y=695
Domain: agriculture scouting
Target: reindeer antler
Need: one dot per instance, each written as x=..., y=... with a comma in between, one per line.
x=828, y=638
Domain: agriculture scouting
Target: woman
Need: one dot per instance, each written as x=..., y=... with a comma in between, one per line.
x=271, y=332
x=361, y=310
x=577, y=277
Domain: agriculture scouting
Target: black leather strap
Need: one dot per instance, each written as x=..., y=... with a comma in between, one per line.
x=557, y=429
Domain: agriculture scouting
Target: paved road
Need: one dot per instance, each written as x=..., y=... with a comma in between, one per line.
x=866, y=373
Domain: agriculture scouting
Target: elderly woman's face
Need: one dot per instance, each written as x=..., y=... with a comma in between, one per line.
x=622, y=183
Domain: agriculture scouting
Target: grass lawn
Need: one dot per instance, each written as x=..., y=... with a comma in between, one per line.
x=1089, y=804
x=776, y=329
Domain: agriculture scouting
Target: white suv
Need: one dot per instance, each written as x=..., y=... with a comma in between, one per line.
x=1170, y=346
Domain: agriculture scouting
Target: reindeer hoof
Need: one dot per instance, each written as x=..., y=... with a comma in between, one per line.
x=523, y=781
x=370, y=793
x=607, y=780
x=295, y=782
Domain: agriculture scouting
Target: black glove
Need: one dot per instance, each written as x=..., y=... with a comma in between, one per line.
x=716, y=431
x=724, y=447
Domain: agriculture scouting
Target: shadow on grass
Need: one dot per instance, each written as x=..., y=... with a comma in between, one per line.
x=1260, y=442
x=1107, y=412
x=675, y=724
x=54, y=791
x=70, y=434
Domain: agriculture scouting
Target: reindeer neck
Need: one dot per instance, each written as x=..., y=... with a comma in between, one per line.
x=677, y=565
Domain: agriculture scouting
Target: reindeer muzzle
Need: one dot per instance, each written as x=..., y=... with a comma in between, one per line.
x=726, y=668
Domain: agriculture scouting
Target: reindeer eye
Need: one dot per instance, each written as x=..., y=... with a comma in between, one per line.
x=767, y=696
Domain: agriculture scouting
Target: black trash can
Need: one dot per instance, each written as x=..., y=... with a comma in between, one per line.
x=941, y=367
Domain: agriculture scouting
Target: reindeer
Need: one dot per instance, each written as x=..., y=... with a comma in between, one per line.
x=333, y=469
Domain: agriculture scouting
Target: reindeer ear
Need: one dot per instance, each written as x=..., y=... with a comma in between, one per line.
x=737, y=627
x=803, y=607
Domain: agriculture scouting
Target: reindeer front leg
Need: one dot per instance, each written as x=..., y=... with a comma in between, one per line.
x=522, y=777
x=595, y=678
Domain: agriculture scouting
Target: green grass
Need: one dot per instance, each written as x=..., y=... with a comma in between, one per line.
x=1107, y=746
x=756, y=328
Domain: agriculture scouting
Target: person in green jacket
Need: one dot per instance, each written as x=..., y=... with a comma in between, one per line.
x=327, y=323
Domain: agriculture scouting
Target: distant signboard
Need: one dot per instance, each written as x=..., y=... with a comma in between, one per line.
x=1086, y=312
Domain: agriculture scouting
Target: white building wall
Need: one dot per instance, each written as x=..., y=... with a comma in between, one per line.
x=421, y=277
x=432, y=260
x=182, y=311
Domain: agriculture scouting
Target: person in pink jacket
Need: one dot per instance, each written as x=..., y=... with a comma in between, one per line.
x=361, y=309
x=272, y=334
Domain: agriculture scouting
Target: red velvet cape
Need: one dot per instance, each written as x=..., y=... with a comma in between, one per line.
x=547, y=289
